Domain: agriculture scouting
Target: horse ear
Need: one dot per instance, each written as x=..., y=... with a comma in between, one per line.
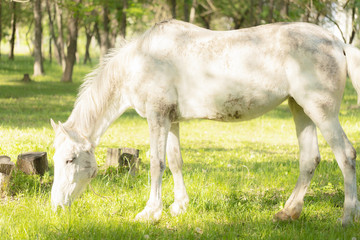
x=75, y=136
x=68, y=132
x=53, y=124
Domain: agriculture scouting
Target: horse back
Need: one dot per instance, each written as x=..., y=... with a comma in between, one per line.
x=235, y=75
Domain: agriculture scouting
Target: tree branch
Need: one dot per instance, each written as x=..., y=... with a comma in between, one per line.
x=337, y=25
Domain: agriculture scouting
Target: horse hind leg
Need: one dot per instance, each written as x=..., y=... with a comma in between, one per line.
x=181, y=198
x=345, y=156
x=309, y=159
x=354, y=213
x=325, y=116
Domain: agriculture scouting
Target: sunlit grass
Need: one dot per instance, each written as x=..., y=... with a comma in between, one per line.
x=237, y=174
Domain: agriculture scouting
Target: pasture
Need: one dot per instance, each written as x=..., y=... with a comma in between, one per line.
x=238, y=175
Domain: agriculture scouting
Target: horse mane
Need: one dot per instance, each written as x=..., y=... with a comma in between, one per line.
x=93, y=77
x=92, y=99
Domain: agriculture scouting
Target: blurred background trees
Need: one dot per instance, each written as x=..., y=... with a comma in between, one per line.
x=73, y=31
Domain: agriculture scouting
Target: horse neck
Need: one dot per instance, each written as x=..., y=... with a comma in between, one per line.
x=96, y=123
x=99, y=103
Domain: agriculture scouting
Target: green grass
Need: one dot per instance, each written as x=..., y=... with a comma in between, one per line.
x=238, y=175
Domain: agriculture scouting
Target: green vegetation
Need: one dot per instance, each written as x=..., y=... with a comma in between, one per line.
x=238, y=175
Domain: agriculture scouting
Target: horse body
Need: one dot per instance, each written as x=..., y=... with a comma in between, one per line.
x=235, y=75
x=177, y=71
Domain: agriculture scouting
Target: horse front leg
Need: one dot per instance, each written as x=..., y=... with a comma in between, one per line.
x=159, y=127
x=181, y=198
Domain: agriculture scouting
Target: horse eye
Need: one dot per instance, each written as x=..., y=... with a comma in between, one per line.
x=70, y=160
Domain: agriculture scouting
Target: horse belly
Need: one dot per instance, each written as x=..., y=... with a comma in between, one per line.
x=242, y=108
x=230, y=106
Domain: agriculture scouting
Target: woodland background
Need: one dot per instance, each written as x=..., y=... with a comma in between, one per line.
x=69, y=31
x=237, y=175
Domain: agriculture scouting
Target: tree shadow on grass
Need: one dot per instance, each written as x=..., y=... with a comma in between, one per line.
x=33, y=104
x=249, y=227
x=38, y=89
x=242, y=214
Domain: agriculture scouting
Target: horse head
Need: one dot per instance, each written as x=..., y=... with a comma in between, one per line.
x=74, y=165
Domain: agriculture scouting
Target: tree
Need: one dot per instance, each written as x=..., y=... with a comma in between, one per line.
x=60, y=38
x=105, y=30
x=89, y=32
x=123, y=19
x=89, y=21
x=73, y=21
x=173, y=8
x=49, y=8
x=38, y=60
x=0, y=25
x=193, y=11
x=353, y=7
x=186, y=11
x=206, y=10
x=13, y=28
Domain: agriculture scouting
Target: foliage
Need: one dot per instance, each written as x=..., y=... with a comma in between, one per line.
x=24, y=13
x=109, y=21
x=238, y=175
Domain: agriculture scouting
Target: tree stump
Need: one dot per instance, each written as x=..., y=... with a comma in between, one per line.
x=26, y=78
x=6, y=168
x=113, y=157
x=33, y=163
x=123, y=157
x=129, y=158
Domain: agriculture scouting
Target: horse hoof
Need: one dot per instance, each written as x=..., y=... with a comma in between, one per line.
x=282, y=216
x=357, y=212
x=179, y=206
x=354, y=216
x=149, y=214
x=177, y=209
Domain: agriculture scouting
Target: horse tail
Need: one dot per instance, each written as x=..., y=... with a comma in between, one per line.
x=353, y=66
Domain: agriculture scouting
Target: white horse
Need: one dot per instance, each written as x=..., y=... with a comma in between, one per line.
x=177, y=71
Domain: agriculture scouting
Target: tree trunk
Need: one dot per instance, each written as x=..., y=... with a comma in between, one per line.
x=354, y=30
x=123, y=19
x=50, y=49
x=60, y=39
x=239, y=22
x=206, y=19
x=0, y=25
x=38, y=60
x=52, y=31
x=284, y=11
x=186, y=11
x=71, y=49
x=104, y=33
x=173, y=9
x=97, y=33
x=192, y=12
x=251, y=17
x=259, y=12
x=89, y=36
x=13, y=27
x=271, y=11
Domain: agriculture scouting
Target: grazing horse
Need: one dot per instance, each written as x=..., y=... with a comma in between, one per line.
x=177, y=71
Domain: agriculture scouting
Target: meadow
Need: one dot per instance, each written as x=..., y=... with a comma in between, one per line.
x=238, y=175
